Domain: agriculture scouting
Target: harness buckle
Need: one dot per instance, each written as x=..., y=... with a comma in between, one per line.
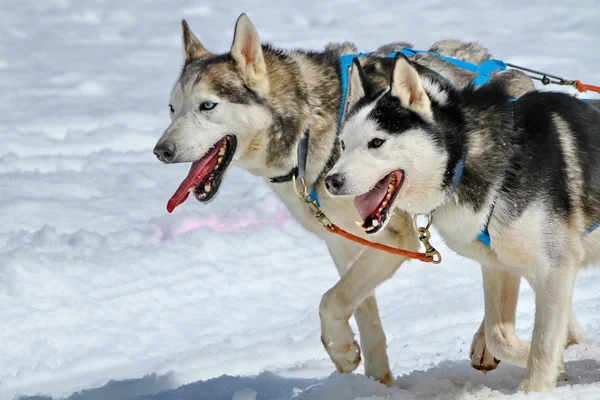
x=425, y=236
x=301, y=194
x=310, y=203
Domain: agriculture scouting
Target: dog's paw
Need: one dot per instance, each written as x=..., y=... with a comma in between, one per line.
x=387, y=380
x=576, y=337
x=536, y=385
x=346, y=358
x=481, y=359
x=561, y=365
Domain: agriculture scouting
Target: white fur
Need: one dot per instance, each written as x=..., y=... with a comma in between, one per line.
x=574, y=173
x=462, y=222
x=435, y=91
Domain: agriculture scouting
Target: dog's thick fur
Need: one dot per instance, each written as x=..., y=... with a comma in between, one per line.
x=531, y=176
x=267, y=97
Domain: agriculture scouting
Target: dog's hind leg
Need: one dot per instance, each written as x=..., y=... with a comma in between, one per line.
x=501, y=293
x=505, y=344
x=553, y=295
x=576, y=333
x=373, y=341
x=372, y=337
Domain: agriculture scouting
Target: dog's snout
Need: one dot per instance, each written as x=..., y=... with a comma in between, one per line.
x=165, y=152
x=334, y=183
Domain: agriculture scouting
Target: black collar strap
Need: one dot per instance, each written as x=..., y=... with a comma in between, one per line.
x=299, y=170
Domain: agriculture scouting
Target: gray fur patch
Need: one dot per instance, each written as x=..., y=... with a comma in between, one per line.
x=386, y=49
x=341, y=48
x=471, y=52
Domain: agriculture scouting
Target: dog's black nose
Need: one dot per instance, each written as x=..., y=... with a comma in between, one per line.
x=165, y=152
x=334, y=183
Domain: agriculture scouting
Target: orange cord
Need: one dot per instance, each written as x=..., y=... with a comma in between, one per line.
x=399, y=252
x=582, y=87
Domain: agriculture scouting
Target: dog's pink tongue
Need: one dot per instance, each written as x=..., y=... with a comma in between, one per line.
x=198, y=171
x=366, y=204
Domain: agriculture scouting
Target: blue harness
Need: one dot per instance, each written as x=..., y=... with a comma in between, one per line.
x=483, y=72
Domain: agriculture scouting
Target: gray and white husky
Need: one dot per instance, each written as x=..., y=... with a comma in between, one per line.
x=249, y=107
x=524, y=172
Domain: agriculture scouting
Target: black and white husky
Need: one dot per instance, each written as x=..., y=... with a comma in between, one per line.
x=514, y=185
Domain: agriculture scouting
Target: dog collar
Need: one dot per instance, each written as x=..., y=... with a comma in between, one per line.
x=300, y=169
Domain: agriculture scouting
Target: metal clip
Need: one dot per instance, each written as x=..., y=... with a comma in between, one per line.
x=424, y=236
x=301, y=194
x=305, y=197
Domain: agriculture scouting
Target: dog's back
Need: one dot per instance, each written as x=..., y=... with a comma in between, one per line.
x=557, y=156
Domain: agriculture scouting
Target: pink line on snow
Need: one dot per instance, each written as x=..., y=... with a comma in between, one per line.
x=226, y=224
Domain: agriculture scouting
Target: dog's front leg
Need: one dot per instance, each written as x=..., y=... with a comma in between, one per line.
x=372, y=336
x=501, y=293
x=362, y=270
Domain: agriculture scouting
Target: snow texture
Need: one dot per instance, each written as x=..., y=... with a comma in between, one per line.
x=103, y=295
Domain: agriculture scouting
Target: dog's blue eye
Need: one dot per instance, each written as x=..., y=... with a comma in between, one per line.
x=207, y=106
x=375, y=143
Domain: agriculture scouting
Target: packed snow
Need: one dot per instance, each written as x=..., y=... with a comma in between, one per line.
x=103, y=295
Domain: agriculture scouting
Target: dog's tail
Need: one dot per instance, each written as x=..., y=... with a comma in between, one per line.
x=471, y=52
x=340, y=49
x=389, y=48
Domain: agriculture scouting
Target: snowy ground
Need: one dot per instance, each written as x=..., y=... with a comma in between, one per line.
x=103, y=293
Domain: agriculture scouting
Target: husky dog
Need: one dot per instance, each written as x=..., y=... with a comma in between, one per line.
x=527, y=172
x=250, y=107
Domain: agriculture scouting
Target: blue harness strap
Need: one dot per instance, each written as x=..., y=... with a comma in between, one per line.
x=484, y=237
x=483, y=70
x=313, y=194
x=345, y=64
x=456, y=62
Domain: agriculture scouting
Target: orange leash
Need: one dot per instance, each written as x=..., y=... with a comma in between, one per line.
x=431, y=255
x=583, y=87
x=392, y=250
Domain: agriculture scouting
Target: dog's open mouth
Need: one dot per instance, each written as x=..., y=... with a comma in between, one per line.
x=373, y=207
x=206, y=174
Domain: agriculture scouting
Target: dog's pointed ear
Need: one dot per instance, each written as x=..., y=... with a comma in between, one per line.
x=192, y=48
x=247, y=54
x=407, y=87
x=357, y=83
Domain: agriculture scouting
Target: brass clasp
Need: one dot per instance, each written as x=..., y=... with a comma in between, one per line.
x=425, y=236
x=310, y=203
